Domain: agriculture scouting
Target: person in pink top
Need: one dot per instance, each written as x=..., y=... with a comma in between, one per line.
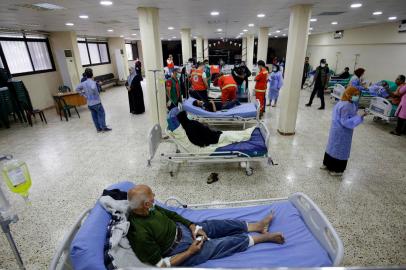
x=401, y=111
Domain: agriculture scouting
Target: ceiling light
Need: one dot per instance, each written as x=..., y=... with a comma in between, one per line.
x=173, y=37
x=169, y=39
x=377, y=13
x=110, y=30
x=334, y=23
x=311, y=28
x=194, y=37
x=313, y=19
x=269, y=34
x=219, y=30
x=245, y=30
x=69, y=24
x=214, y=13
x=83, y=16
x=106, y=3
x=121, y=36
x=261, y=15
x=284, y=35
x=278, y=31
x=48, y=6
x=134, y=34
x=356, y=5
x=275, y=36
x=170, y=28
x=392, y=18
x=241, y=33
x=251, y=25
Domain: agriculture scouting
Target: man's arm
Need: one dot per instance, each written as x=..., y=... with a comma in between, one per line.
x=205, y=80
x=175, y=216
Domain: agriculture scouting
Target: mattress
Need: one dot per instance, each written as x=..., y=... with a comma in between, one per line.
x=255, y=147
x=301, y=248
x=247, y=110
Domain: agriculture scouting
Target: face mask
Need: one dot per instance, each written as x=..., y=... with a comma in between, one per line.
x=152, y=208
x=322, y=65
x=178, y=76
x=274, y=69
x=355, y=99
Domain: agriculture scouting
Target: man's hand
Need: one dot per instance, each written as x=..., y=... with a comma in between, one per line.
x=195, y=247
x=199, y=232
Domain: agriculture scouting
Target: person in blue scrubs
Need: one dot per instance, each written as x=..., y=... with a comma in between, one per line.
x=275, y=83
x=357, y=80
x=344, y=120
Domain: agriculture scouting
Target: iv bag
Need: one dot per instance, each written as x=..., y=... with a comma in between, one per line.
x=17, y=177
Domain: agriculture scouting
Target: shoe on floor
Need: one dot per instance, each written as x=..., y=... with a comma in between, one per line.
x=336, y=173
x=323, y=167
x=213, y=177
x=393, y=132
x=107, y=129
x=274, y=105
x=99, y=130
x=268, y=104
x=308, y=105
x=321, y=108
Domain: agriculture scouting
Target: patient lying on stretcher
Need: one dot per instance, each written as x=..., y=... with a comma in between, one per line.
x=202, y=135
x=163, y=238
x=213, y=106
x=382, y=89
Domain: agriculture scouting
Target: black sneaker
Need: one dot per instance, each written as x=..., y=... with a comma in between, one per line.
x=395, y=133
x=107, y=129
x=99, y=130
x=308, y=105
x=321, y=108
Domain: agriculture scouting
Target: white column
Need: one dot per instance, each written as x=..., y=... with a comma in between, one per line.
x=199, y=49
x=262, y=44
x=250, y=51
x=289, y=99
x=186, y=44
x=244, y=50
x=152, y=53
x=206, y=49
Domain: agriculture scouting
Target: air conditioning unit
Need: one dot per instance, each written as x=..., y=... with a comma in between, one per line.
x=402, y=27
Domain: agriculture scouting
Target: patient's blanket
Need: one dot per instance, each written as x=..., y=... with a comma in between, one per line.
x=226, y=138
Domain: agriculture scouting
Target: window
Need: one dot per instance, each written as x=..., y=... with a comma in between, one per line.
x=93, y=53
x=129, y=51
x=24, y=55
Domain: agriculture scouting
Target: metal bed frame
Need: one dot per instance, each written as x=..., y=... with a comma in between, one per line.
x=228, y=121
x=381, y=108
x=312, y=215
x=178, y=157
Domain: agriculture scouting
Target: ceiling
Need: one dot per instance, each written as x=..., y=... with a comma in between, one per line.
x=235, y=15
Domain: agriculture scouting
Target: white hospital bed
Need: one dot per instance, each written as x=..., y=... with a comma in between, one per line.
x=381, y=108
x=184, y=156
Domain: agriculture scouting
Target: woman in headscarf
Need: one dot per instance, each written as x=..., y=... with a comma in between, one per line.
x=344, y=120
x=357, y=80
x=135, y=94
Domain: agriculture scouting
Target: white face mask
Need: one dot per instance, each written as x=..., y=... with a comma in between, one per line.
x=152, y=208
x=322, y=65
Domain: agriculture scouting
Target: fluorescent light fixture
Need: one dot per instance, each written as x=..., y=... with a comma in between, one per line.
x=219, y=30
x=170, y=28
x=284, y=35
x=334, y=23
x=313, y=19
x=121, y=36
x=169, y=39
x=261, y=15
x=278, y=31
x=392, y=18
x=269, y=34
x=194, y=37
x=356, y=5
x=214, y=13
x=69, y=24
x=311, y=28
x=48, y=6
x=251, y=25
x=275, y=36
x=241, y=33
x=110, y=30
x=377, y=13
x=134, y=34
x=245, y=30
x=83, y=16
x=173, y=37
x=106, y=3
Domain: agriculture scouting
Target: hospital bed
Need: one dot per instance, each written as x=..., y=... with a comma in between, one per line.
x=382, y=108
x=338, y=91
x=246, y=113
x=311, y=240
x=253, y=150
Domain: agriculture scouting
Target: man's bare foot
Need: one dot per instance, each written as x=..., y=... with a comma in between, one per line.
x=261, y=226
x=269, y=237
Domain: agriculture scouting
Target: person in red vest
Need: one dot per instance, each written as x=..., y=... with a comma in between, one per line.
x=170, y=64
x=261, y=81
x=199, y=83
x=172, y=85
x=228, y=87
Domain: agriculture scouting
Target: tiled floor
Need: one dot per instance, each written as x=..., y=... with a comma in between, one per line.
x=70, y=164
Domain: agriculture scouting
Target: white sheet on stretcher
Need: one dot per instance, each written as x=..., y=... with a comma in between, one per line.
x=226, y=138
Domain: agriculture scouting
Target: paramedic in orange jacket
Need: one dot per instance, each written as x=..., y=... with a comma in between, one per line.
x=228, y=87
x=261, y=81
x=199, y=83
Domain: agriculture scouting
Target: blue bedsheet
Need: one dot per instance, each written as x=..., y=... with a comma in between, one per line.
x=300, y=250
x=245, y=110
x=255, y=147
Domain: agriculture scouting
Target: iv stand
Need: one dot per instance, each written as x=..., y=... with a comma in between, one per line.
x=6, y=220
x=156, y=92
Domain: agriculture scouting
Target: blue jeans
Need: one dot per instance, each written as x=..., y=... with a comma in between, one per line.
x=226, y=238
x=98, y=115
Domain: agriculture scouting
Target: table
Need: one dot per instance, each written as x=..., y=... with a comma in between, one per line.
x=71, y=98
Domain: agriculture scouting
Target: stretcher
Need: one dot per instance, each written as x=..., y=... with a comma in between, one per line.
x=254, y=150
x=246, y=113
x=333, y=82
x=311, y=240
x=382, y=108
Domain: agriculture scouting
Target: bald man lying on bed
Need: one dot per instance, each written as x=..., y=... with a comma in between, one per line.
x=163, y=238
